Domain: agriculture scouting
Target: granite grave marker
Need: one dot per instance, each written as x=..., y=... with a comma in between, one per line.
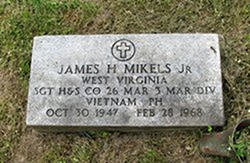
x=125, y=82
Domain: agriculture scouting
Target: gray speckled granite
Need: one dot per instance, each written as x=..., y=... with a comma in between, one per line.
x=131, y=81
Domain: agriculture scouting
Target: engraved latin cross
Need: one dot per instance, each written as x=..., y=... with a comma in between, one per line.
x=123, y=48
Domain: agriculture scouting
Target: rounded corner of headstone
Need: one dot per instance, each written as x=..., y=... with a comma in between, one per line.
x=218, y=36
x=215, y=36
x=222, y=121
x=36, y=37
x=29, y=122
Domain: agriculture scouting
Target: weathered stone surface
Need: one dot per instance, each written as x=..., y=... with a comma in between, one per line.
x=125, y=81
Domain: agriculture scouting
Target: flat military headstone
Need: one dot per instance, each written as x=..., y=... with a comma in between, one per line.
x=125, y=82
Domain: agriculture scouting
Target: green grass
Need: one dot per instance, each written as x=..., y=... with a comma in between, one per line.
x=21, y=20
x=241, y=145
x=84, y=152
x=152, y=155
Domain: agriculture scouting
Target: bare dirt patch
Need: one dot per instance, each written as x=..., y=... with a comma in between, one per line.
x=12, y=101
